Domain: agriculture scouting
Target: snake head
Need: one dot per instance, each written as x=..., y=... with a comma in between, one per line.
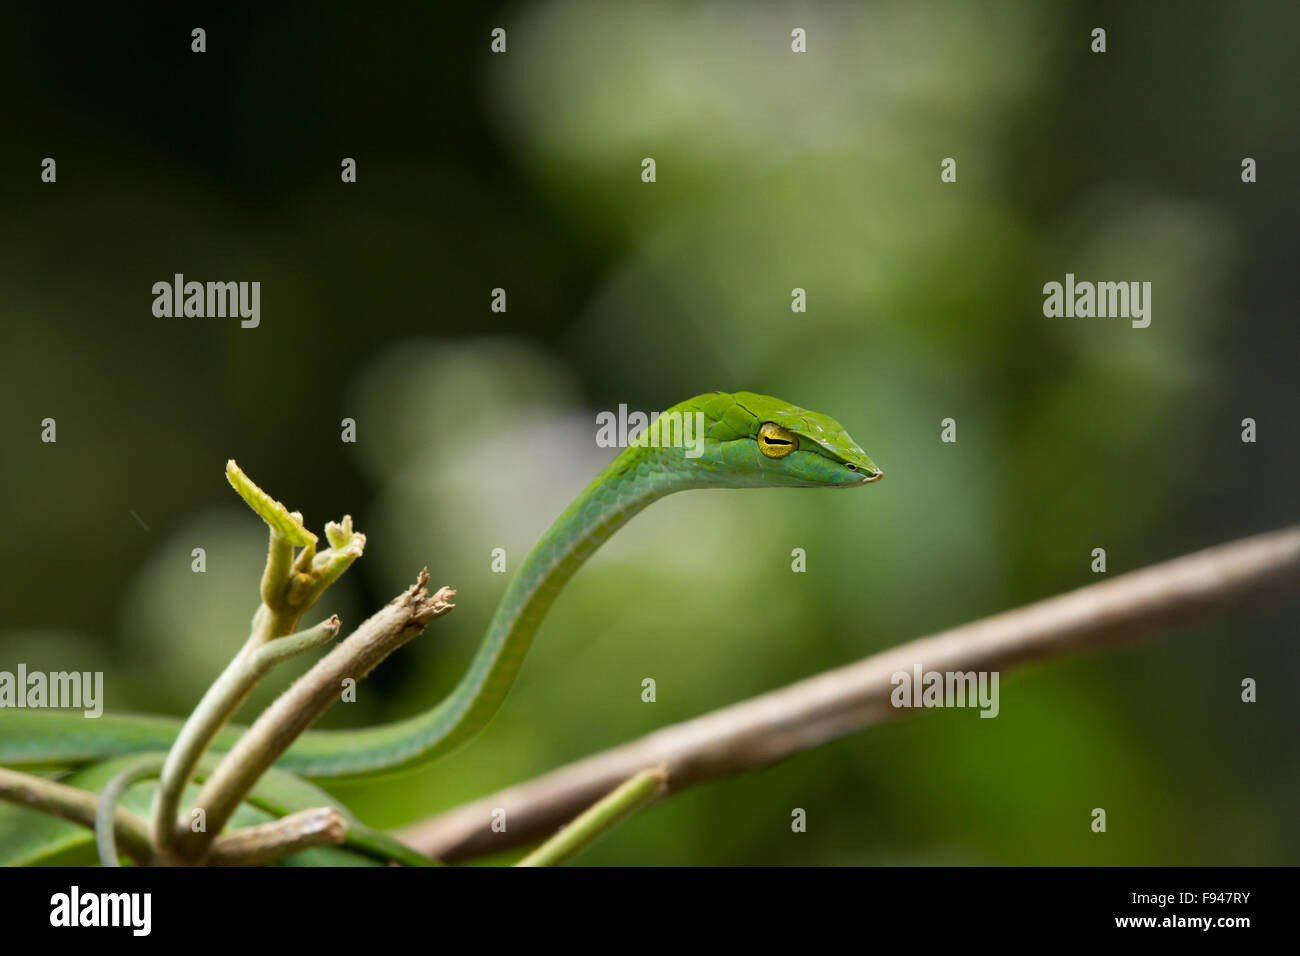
x=756, y=440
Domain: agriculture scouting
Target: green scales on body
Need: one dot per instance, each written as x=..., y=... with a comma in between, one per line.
x=750, y=441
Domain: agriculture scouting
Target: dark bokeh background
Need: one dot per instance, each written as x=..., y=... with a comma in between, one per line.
x=819, y=171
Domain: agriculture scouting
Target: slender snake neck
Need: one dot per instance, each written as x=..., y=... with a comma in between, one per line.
x=635, y=479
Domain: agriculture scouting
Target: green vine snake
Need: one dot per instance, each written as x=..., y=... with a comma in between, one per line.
x=750, y=441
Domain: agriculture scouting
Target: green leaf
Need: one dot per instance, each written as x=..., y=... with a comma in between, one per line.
x=288, y=524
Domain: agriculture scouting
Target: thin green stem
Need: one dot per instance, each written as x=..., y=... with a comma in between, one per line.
x=309, y=697
x=384, y=847
x=279, y=559
x=106, y=810
x=261, y=652
x=282, y=648
x=636, y=792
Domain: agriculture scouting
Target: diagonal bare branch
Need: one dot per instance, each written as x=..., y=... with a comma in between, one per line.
x=773, y=726
x=76, y=806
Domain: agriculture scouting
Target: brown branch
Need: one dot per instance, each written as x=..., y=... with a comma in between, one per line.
x=268, y=842
x=75, y=806
x=310, y=696
x=771, y=727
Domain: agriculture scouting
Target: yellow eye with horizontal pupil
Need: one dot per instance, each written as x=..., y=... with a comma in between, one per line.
x=775, y=441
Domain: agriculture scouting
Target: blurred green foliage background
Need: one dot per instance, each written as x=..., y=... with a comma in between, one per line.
x=775, y=171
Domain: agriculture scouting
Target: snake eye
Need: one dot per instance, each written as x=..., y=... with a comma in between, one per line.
x=775, y=441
